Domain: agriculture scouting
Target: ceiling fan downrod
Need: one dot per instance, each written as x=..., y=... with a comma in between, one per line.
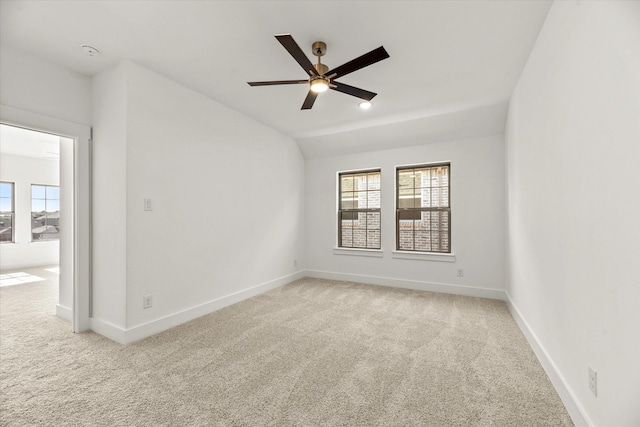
x=319, y=49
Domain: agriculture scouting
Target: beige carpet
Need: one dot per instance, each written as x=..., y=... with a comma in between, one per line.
x=313, y=353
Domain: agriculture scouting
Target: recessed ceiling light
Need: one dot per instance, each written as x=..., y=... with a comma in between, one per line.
x=365, y=105
x=90, y=50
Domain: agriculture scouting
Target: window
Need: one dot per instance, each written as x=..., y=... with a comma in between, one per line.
x=7, y=212
x=423, y=212
x=45, y=212
x=359, y=210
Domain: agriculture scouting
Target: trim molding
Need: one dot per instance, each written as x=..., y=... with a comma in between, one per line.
x=424, y=256
x=108, y=330
x=136, y=333
x=64, y=312
x=571, y=402
x=376, y=253
x=445, y=288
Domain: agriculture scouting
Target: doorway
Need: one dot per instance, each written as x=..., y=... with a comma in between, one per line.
x=36, y=212
x=50, y=222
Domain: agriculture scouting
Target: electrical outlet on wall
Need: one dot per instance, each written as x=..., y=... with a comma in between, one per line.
x=147, y=301
x=593, y=381
x=461, y=272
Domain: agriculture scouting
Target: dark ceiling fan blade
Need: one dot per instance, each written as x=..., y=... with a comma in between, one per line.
x=278, y=82
x=309, y=100
x=292, y=47
x=354, y=91
x=360, y=62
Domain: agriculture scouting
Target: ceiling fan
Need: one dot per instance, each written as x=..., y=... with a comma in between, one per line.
x=320, y=77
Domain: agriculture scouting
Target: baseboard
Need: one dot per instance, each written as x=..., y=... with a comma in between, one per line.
x=108, y=330
x=574, y=408
x=64, y=312
x=136, y=333
x=445, y=288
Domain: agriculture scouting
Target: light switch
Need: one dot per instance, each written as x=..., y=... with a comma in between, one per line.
x=148, y=206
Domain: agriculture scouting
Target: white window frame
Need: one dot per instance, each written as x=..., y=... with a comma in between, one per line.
x=413, y=253
x=342, y=250
x=12, y=212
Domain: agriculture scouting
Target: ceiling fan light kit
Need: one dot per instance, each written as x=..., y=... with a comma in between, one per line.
x=319, y=84
x=321, y=78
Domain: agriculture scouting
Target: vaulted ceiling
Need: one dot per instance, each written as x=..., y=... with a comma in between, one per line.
x=452, y=67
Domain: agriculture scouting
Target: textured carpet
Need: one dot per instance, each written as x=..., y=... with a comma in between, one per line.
x=311, y=353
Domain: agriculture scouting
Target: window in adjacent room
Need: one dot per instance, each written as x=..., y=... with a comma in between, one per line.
x=423, y=210
x=359, y=209
x=7, y=212
x=45, y=212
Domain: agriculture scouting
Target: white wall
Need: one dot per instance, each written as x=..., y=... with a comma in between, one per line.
x=109, y=197
x=478, y=215
x=67, y=224
x=39, y=86
x=24, y=171
x=227, y=203
x=573, y=150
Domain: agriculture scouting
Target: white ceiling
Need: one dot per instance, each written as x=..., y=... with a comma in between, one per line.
x=448, y=59
x=29, y=143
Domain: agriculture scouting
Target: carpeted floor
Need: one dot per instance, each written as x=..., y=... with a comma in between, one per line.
x=312, y=353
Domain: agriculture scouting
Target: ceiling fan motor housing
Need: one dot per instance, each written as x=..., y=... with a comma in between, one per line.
x=321, y=68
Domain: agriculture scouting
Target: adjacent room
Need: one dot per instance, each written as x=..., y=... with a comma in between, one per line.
x=34, y=190
x=30, y=174
x=274, y=213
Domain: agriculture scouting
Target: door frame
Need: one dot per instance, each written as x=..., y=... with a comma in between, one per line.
x=81, y=244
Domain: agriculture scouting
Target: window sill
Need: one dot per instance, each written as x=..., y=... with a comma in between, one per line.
x=375, y=253
x=423, y=256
